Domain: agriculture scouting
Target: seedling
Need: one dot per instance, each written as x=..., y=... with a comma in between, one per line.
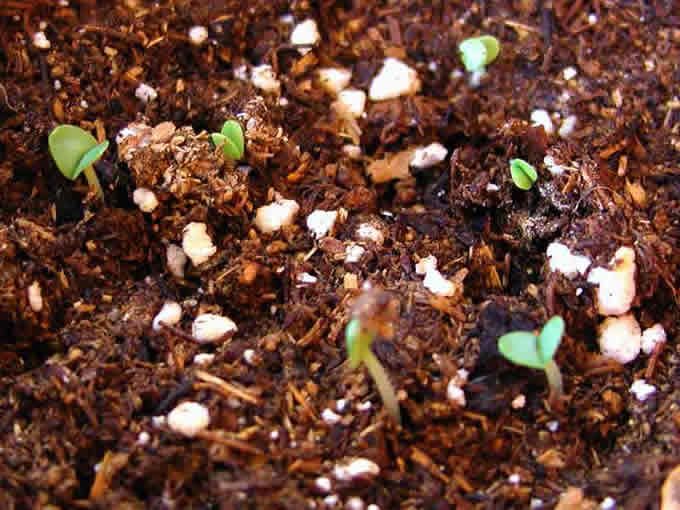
x=523, y=174
x=359, y=340
x=477, y=52
x=230, y=139
x=526, y=349
x=74, y=150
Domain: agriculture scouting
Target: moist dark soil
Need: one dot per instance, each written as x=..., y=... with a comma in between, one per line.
x=86, y=379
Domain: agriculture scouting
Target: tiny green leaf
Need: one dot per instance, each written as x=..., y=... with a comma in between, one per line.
x=229, y=149
x=473, y=53
x=233, y=132
x=91, y=156
x=493, y=47
x=520, y=348
x=358, y=343
x=218, y=139
x=68, y=144
x=477, y=52
x=549, y=338
x=523, y=174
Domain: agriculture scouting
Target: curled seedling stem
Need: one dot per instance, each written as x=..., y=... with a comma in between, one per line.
x=359, y=342
x=537, y=351
x=74, y=150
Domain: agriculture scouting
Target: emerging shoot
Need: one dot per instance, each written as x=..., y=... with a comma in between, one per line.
x=373, y=314
x=526, y=349
x=230, y=138
x=523, y=174
x=74, y=150
x=477, y=52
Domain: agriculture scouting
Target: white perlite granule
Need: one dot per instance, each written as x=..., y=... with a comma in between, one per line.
x=35, y=299
x=176, y=260
x=428, y=156
x=305, y=34
x=356, y=468
x=197, y=244
x=620, y=338
x=272, y=217
x=562, y=260
x=198, y=35
x=321, y=222
x=334, y=79
x=616, y=287
x=189, y=418
x=263, y=78
x=145, y=93
x=170, y=314
x=393, y=80
x=209, y=327
x=145, y=199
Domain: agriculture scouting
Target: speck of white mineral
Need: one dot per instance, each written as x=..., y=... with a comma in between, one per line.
x=35, y=299
x=40, y=41
x=436, y=283
x=305, y=34
x=145, y=199
x=541, y=117
x=320, y=223
x=651, y=337
x=323, y=484
x=145, y=93
x=394, y=79
x=620, y=338
x=169, y=314
x=642, y=390
x=204, y=358
x=209, y=327
x=568, y=126
x=334, y=79
x=519, y=401
x=561, y=259
x=608, y=503
x=430, y=155
x=353, y=253
x=272, y=217
x=616, y=287
x=569, y=73
x=356, y=468
x=196, y=243
x=198, y=34
x=176, y=260
x=264, y=78
x=353, y=101
x=189, y=418
x=330, y=417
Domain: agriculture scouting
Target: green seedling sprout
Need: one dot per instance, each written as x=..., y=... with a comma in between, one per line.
x=526, y=349
x=230, y=139
x=74, y=150
x=477, y=52
x=359, y=340
x=523, y=174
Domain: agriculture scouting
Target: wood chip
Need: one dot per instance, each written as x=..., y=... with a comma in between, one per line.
x=225, y=388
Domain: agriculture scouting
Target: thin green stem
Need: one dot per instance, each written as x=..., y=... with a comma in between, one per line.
x=554, y=376
x=385, y=388
x=93, y=182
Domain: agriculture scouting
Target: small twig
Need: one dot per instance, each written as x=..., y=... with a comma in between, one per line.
x=5, y=98
x=225, y=388
x=235, y=444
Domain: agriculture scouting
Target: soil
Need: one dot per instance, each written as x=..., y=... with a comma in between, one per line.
x=84, y=376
